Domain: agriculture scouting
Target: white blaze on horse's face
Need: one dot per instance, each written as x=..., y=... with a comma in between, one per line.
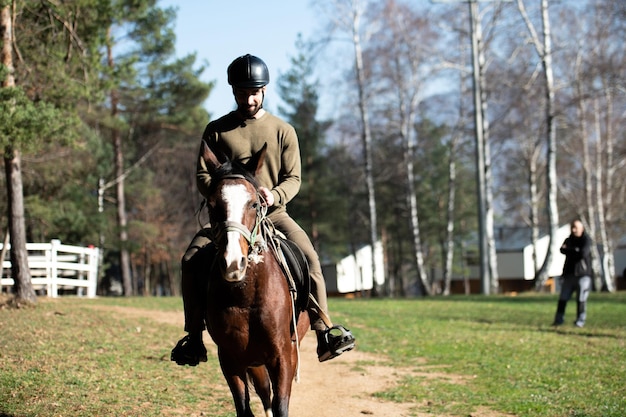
x=236, y=198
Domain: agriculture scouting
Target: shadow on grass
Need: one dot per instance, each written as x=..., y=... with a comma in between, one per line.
x=578, y=332
x=496, y=325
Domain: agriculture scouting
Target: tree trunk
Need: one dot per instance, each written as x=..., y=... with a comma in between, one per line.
x=544, y=50
x=608, y=266
x=415, y=226
x=587, y=169
x=20, y=271
x=122, y=222
x=366, y=137
x=490, y=240
x=483, y=250
x=449, y=245
x=607, y=218
x=552, y=179
x=534, y=207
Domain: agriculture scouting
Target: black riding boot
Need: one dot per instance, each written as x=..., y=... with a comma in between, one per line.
x=560, y=313
x=190, y=349
x=581, y=314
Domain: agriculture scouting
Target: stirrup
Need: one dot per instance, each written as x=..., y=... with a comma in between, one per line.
x=335, y=344
x=187, y=353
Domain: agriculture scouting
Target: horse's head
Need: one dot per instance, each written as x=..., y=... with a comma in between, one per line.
x=234, y=209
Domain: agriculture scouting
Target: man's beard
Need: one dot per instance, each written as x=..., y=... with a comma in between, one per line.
x=249, y=112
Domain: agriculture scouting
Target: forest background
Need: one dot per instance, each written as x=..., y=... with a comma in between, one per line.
x=101, y=120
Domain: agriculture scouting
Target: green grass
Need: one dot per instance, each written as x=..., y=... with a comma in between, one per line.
x=80, y=357
x=66, y=357
x=509, y=357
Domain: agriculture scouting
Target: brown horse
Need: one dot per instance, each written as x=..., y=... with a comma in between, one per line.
x=250, y=312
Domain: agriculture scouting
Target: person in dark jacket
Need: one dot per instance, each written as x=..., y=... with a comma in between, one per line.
x=576, y=273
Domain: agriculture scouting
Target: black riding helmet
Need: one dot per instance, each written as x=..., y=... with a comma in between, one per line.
x=248, y=71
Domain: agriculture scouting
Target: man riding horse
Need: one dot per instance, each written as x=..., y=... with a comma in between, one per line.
x=238, y=135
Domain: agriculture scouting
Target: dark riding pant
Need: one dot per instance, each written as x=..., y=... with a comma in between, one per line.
x=194, y=288
x=569, y=285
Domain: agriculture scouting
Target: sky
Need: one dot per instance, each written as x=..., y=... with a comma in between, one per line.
x=220, y=31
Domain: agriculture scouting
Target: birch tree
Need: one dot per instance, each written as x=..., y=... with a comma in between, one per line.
x=451, y=215
x=450, y=212
x=543, y=47
x=587, y=181
x=484, y=187
x=608, y=166
x=604, y=150
x=489, y=262
x=403, y=58
x=589, y=215
x=366, y=134
x=347, y=16
x=519, y=133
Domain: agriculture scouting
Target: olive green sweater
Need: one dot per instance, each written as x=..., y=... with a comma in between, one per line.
x=240, y=138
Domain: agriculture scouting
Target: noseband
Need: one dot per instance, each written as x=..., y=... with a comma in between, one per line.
x=222, y=228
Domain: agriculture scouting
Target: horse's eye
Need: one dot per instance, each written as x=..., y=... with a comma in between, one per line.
x=255, y=205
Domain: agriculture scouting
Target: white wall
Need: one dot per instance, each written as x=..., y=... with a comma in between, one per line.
x=516, y=265
x=558, y=260
x=354, y=273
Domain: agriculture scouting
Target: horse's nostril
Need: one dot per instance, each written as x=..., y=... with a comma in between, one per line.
x=242, y=264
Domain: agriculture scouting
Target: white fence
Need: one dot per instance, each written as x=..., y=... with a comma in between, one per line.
x=55, y=266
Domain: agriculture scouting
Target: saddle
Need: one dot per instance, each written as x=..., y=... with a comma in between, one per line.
x=296, y=268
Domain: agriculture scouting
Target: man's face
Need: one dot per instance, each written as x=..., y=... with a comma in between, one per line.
x=249, y=100
x=577, y=229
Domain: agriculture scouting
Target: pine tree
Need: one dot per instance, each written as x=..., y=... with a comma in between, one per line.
x=31, y=115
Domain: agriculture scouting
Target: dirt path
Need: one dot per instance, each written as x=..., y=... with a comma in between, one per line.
x=342, y=387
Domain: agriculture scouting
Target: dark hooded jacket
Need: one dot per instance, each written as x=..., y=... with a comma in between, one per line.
x=577, y=251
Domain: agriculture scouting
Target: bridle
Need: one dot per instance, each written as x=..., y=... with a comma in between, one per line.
x=254, y=236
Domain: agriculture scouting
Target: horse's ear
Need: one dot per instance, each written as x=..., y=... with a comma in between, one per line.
x=256, y=162
x=211, y=160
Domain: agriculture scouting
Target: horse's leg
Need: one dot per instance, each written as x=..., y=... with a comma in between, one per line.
x=282, y=374
x=262, y=385
x=304, y=322
x=237, y=382
x=241, y=395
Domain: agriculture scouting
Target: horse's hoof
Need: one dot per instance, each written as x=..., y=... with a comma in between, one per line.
x=189, y=351
x=333, y=342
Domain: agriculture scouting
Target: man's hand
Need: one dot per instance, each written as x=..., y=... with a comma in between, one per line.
x=267, y=196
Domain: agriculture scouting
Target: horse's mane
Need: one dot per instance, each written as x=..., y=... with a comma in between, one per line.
x=232, y=168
